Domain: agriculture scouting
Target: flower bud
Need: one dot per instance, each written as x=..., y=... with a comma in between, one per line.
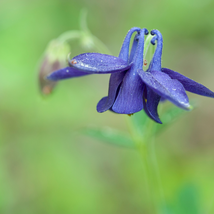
x=54, y=59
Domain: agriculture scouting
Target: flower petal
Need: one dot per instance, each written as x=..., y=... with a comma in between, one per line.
x=189, y=85
x=124, y=52
x=166, y=87
x=98, y=63
x=106, y=102
x=155, y=63
x=66, y=73
x=134, y=47
x=116, y=78
x=129, y=99
x=150, y=104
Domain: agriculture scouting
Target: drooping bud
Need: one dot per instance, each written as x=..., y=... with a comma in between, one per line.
x=57, y=51
x=53, y=60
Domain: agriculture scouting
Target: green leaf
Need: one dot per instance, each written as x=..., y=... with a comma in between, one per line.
x=188, y=200
x=110, y=136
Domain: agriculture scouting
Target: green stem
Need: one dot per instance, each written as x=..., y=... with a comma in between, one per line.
x=144, y=153
x=157, y=172
x=70, y=35
x=75, y=34
x=145, y=144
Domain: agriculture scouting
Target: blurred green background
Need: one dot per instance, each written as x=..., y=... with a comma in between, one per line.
x=45, y=167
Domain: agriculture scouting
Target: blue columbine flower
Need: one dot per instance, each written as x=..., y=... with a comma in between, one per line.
x=130, y=87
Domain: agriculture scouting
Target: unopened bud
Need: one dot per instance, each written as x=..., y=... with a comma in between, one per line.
x=53, y=60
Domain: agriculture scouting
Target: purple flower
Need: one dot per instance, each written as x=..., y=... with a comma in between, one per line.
x=130, y=87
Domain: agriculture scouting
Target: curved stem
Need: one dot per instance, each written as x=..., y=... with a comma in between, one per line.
x=69, y=35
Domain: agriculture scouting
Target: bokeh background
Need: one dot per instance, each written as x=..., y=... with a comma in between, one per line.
x=45, y=165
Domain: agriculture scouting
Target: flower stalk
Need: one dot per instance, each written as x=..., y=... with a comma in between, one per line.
x=145, y=145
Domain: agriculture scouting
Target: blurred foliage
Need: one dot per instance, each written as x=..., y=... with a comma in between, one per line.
x=44, y=166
